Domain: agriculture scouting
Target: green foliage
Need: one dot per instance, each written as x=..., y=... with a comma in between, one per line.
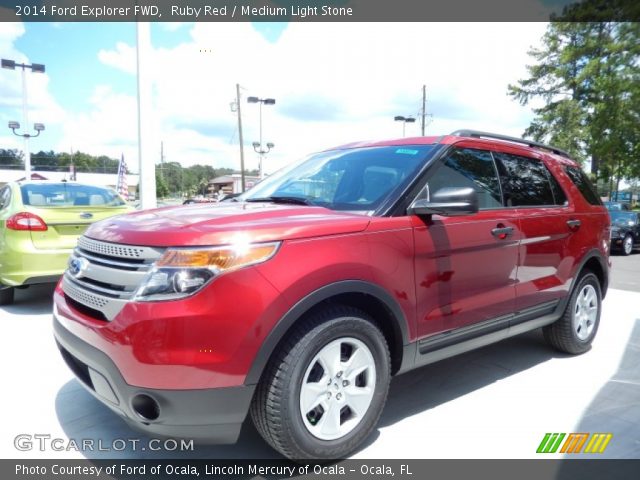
x=186, y=182
x=162, y=190
x=11, y=159
x=588, y=75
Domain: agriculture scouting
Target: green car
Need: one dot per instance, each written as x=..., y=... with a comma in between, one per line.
x=40, y=223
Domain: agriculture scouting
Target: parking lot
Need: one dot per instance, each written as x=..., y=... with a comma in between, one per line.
x=496, y=402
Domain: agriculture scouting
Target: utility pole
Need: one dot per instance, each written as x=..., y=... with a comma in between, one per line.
x=162, y=160
x=238, y=103
x=424, y=107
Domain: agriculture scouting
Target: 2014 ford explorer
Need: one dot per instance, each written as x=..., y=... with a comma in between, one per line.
x=299, y=300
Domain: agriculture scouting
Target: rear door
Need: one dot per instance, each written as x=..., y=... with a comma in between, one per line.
x=549, y=225
x=465, y=266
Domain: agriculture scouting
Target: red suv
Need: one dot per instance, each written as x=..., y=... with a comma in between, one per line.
x=298, y=300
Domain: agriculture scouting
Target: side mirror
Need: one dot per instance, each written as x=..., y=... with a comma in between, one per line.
x=448, y=202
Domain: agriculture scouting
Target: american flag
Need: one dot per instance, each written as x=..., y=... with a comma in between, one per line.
x=121, y=187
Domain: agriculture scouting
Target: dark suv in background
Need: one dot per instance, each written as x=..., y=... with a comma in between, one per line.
x=298, y=300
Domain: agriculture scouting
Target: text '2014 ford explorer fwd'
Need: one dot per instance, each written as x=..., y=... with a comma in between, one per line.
x=297, y=301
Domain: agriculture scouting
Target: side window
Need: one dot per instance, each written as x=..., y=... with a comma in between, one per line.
x=558, y=194
x=5, y=196
x=526, y=182
x=469, y=168
x=581, y=181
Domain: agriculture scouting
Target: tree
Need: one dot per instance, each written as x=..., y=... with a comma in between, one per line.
x=11, y=159
x=162, y=190
x=587, y=74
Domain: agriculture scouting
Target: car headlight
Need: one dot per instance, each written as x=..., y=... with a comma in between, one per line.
x=181, y=272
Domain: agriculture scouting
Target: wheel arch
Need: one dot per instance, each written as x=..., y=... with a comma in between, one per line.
x=597, y=263
x=372, y=299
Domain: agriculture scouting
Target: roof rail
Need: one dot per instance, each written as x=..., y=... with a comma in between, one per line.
x=521, y=141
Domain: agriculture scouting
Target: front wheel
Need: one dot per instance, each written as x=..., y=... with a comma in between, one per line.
x=576, y=329
x=324, y=390
x=627, y=245
x=6, y=295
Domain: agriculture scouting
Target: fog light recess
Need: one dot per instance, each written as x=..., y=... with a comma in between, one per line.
x=146, y=407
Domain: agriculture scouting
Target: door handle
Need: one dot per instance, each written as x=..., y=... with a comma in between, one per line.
x=574, y=224
x=502, y=232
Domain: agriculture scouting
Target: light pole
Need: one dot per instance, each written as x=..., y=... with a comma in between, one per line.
x=257, y=146
x=36, y=68
x=404, y=120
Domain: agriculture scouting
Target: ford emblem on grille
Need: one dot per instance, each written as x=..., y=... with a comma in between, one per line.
x=86, y=215
x=77, y=266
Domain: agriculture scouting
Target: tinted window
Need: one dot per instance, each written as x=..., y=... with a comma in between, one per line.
x=558, y=194
x=581, y=181
x=5, y=196
x=357, y=179
x=68, y=195
x=526, y=182
x=469, y=168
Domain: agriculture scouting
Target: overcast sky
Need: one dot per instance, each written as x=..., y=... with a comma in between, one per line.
x=333, y=84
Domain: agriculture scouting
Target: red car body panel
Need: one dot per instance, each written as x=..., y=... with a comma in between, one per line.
x=222, y=223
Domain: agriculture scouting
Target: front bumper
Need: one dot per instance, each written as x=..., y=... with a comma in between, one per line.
x=204, y=415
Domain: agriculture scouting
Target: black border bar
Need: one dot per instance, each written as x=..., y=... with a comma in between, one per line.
x=316, y=10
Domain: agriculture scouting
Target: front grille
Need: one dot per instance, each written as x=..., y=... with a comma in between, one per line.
x=85, y=310
x=112, y=249
x=111, y=275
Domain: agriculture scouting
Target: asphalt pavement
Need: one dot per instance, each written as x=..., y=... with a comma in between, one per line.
x=625, y=272
x=496, y=402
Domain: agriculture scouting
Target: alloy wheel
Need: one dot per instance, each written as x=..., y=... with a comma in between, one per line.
x=585, y=312
x=337, y=388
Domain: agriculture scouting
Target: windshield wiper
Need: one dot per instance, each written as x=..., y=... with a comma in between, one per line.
x=279, y=199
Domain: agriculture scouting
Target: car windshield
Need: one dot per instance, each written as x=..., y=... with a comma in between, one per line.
x=68, y=195
x=358, y=179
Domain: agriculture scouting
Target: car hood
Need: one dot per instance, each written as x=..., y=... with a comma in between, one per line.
x=225, y=223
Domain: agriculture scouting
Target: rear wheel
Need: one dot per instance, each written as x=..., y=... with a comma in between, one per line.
x=576, y=329
x=6, y=295
x=627, y=245
x=324, y=390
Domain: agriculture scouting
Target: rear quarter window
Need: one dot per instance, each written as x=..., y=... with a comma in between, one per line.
x=583, y=183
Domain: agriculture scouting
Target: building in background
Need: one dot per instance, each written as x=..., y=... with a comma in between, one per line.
x=230, y=184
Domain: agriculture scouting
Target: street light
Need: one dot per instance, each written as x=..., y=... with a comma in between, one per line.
x=38, y=127
x=262, y=151
x=257, y=146
x=404, y=120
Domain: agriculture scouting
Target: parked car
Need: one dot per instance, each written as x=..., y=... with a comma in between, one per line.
x=190, y=201
x=40, y=223
x=625, y=231
x=297, y=302
x=617, y=206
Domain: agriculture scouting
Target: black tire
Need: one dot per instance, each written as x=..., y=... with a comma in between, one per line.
x=568, y=334
x=276, y=409
x=627, y=245
x=6, y=295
